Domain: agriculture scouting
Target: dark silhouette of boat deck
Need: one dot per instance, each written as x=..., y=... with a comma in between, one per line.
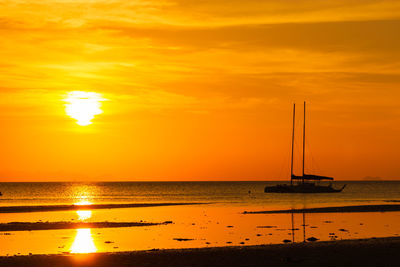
x=306, y=183
x=305, y=187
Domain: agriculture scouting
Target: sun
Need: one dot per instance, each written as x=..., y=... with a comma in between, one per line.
x=83, y=106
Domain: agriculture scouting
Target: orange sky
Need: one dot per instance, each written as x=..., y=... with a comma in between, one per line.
x=199, y=90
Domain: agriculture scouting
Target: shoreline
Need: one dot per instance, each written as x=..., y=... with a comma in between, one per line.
x=45, y=208
x=339, y=209
x=355, y=252
x=36, y=226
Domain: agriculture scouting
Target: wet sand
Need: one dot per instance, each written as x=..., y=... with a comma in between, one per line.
x=22, y=209
x=364, y=252
x=359, y=208
x=29, y=226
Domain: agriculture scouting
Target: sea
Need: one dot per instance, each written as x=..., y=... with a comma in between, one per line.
x=197, y=214
x=217, y=193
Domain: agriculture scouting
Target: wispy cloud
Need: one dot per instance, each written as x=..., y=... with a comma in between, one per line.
x=220, y=64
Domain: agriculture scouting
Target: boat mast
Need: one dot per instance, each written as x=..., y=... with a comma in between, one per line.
x=291, y=167
x=304, y=136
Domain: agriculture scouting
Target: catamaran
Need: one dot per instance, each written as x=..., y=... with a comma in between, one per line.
x=306, y=183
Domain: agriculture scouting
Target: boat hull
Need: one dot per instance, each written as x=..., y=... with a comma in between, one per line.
x=306, y=188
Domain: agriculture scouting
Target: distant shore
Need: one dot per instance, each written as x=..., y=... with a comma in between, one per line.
x=358, y=208
x=363, y=252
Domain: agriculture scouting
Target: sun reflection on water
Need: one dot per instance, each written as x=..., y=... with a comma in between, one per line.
x=83, y=202
x=83, y=242
x=84, y=214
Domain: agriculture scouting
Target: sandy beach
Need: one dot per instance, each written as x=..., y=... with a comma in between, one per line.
x=363, y=252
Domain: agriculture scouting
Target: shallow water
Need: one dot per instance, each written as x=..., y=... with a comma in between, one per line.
x=219, y=222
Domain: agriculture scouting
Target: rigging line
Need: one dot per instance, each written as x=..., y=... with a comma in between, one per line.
x=309, y=152
x=298, y=155
x=314, y=163
x=286, y=162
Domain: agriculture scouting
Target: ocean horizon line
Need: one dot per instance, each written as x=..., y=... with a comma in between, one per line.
x=187, y=181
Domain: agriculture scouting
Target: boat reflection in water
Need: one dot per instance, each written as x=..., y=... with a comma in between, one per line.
x=294, y=229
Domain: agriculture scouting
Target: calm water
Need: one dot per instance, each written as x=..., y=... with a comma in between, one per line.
x=220, y=193
x=219, y=222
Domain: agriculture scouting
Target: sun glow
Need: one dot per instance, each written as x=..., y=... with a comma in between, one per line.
x=83, y=106
x=83, y=242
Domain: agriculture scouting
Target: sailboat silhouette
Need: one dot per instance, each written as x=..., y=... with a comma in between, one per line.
x=306, y=183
